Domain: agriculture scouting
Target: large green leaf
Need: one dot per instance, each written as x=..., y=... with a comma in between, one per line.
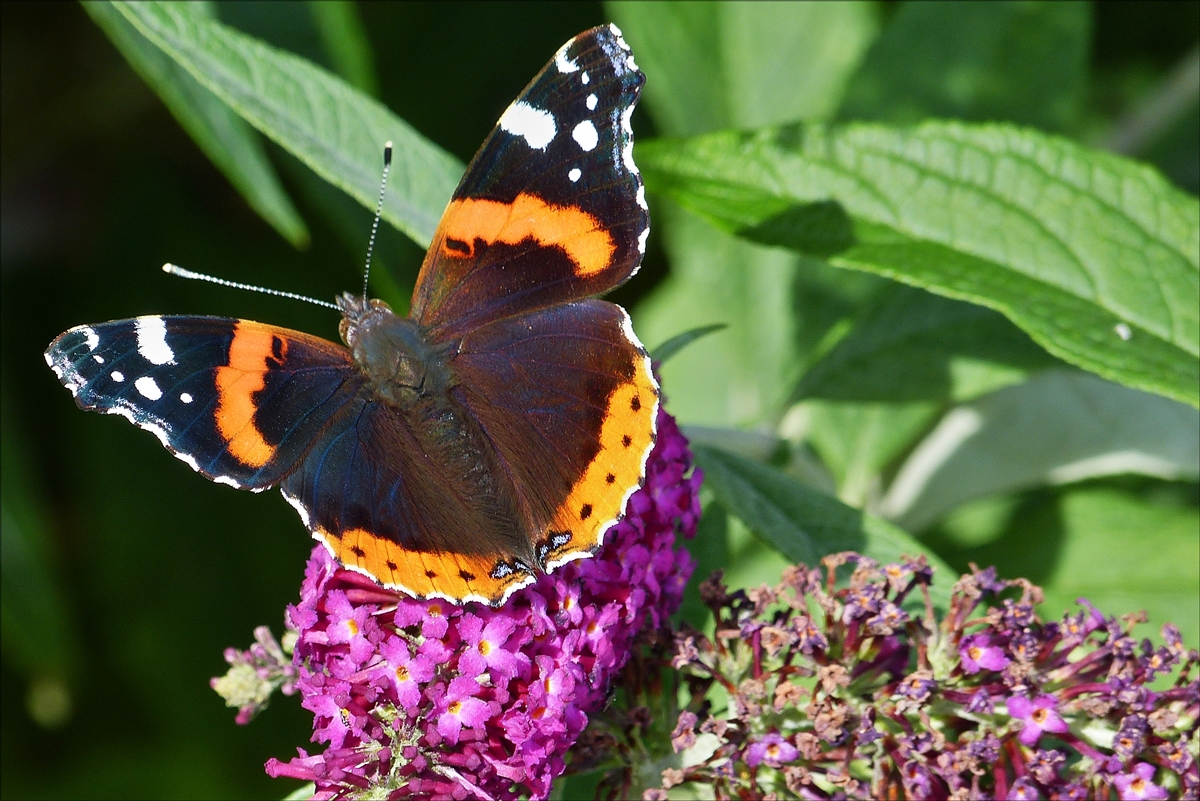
x=742, y=376
x=1125, y=545
x=1126, y=555
x=856, y=441
x=231, y=144
x=330, y=126
x=1025, y=62
x=710, y=66
x=914, y=345
x=802, y=524
x=1096, y=257
x=1059, y=427
x=344, y=38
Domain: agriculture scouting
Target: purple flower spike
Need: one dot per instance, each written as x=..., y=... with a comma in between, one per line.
x=771, y=750
x=1139, y=784
x=429, y=699
x=1039, y=715
x=978, y=653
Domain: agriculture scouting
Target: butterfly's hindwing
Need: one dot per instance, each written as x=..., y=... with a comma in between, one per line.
x=567, y=397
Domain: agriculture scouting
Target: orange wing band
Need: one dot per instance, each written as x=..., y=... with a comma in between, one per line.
x=237, y=382
x=578, y=233
x=458, y=577
x=598, y=498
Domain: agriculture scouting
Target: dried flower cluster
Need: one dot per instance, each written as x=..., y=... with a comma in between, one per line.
x=857, y=690
x=425, y=699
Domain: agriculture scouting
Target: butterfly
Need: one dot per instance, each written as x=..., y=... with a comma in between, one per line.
x=494, y=434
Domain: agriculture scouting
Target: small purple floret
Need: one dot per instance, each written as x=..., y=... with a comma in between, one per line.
x=772, y=750
x=1040, y=715
x=978, y=653
x=1139, y=784
x=430, y=699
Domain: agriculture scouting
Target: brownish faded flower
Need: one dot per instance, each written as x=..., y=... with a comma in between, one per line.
x=861, y=690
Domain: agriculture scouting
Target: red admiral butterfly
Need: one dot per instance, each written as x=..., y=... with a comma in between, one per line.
x=496, y=432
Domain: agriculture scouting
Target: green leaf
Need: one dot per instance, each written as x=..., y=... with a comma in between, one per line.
x=1125, y=554
x=802, y=524
x=1125, y=545
x=742, y=376
x=710, y=548
x=1096, y=257
x=914, y=345
x=330, y=126
x=1018, y=61
x=680, y=341
x=709, y=66
x=225, y=138
x=712, y=65
x=1059, y=427
x=345, y=41
x=856, y=441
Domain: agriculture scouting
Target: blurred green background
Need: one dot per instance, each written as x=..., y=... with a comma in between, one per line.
x=125, y=575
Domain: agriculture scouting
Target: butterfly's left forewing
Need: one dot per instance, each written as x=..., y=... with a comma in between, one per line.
x=239, y=401
x=552, y=208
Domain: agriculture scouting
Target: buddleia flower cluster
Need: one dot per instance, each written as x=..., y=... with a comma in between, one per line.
x=426, y=699
x=820, y=689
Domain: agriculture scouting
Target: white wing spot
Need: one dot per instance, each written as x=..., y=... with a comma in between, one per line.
x=574, y=174
x=586, y=80
x=591, y=102
x=534, y=124
x=148, y=387
x=93, y=339
x=561, y=61
x=97, y=358
x=642, y=240
x=585, y=135
x=185, y=397
x=117, y=376
x=152, y=340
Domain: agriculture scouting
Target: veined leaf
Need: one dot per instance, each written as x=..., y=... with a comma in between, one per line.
x=1058, y=427
x=710, y=66
x=805, y=525
x=1096, y=257
x=914, y=345
x=345, y=41
x=231, y=144
x=326, y=123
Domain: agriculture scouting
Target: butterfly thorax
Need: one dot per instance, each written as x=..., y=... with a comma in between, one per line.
x=402, y=364
x=407, y=371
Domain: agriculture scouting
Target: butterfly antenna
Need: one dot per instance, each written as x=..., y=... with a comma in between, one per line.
x=387, y=165
x=182, y=273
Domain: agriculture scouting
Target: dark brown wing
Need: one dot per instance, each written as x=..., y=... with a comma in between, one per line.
x=552, y=208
